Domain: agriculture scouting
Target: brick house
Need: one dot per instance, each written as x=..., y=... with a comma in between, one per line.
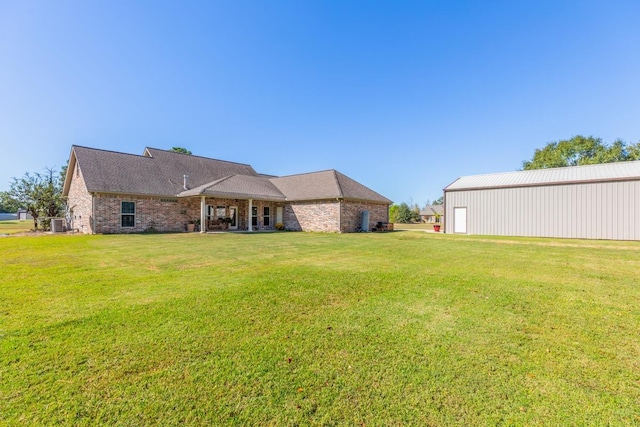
x=432, y=214
x=112, y=192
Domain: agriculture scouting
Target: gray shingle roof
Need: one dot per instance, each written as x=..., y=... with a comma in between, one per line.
x=201, y=170
x=432, y=210
x=329, y=184
x=238, y=186
x=160, y=173
x=572, y=174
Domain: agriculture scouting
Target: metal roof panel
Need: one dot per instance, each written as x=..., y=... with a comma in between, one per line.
x=571, y=174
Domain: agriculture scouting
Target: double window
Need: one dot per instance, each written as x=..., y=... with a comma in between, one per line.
x=128, y=214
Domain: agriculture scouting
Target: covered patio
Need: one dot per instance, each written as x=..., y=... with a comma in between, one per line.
x=235, y=203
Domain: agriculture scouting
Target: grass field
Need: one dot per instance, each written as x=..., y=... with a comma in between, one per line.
x=15, y=226
x=401, y=328
x=418, y=226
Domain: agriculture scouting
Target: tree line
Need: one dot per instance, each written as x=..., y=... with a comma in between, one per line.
x=581, y=150
x=407, y=213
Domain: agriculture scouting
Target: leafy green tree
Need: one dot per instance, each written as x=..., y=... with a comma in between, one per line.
x=415, y=213
x=581, y=150
x=439, y=201
x=6, y=203
x=39, y=194
x=63, y=173
x=180, y=150
x=393, y=210
x=403, y=214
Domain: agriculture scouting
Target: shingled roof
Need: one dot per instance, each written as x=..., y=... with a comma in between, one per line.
x=160, y=173
x=432, y=210
x=157, y=172
x=238, y=186
x=329, y=184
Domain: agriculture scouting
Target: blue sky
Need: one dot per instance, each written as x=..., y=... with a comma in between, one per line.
x=403, y=96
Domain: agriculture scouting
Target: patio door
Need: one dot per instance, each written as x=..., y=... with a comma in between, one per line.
x=233, y=214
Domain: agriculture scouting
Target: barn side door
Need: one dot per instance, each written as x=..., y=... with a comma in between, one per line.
x=460, y=220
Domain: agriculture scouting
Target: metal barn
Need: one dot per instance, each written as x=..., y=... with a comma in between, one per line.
x=582, y=202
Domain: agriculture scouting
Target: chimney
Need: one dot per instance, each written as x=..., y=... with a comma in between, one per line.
x=184, y=185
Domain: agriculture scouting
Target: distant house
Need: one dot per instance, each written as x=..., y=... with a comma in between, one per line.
x=432, y=213
x=585, y=202
x=112, y=192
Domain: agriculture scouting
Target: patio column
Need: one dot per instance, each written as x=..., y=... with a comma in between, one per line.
x=249, y=214
x=203, y=220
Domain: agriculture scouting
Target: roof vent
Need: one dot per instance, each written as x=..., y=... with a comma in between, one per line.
x=184, y=185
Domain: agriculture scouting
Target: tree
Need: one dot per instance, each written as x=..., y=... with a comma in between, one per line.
x=180, y=150
x=403, y=214
x=439, y=201
x=393, y=212
x=63, y=173
x=6, y=203
x=39, y=194
x=581, y=150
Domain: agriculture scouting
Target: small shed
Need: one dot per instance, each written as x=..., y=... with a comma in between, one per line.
x=23, y=215
x=583, y=202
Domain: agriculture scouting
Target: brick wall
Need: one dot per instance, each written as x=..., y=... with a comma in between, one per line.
x=170, y=214
x=332, y=216
x=78, y=203
x=351, y=215
x=312, y=216
x=160, y=214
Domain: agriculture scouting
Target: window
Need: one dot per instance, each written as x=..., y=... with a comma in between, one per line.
x=266, y=218
x=254, y=216
x=221, y=212
x=128, y=216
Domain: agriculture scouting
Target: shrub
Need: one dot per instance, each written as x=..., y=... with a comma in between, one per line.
x=279, y=226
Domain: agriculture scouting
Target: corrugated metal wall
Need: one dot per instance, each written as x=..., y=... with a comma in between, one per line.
x=604, y=210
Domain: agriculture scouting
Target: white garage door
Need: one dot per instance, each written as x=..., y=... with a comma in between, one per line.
x=459, y=220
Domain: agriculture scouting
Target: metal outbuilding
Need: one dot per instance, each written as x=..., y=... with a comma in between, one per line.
x=583, y=202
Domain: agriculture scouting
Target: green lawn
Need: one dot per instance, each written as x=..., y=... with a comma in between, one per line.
x=374, y=329
x=417, y=226
x=15, y=226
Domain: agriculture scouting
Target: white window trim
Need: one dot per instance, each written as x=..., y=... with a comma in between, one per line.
x=122, y=214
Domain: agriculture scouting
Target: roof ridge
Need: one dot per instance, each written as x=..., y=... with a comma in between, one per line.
x=622, y=162
x=73, y=147
x=305, y=173
x=340, y=192
x=216, y=182
x=207, y=185
x=198, y=156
